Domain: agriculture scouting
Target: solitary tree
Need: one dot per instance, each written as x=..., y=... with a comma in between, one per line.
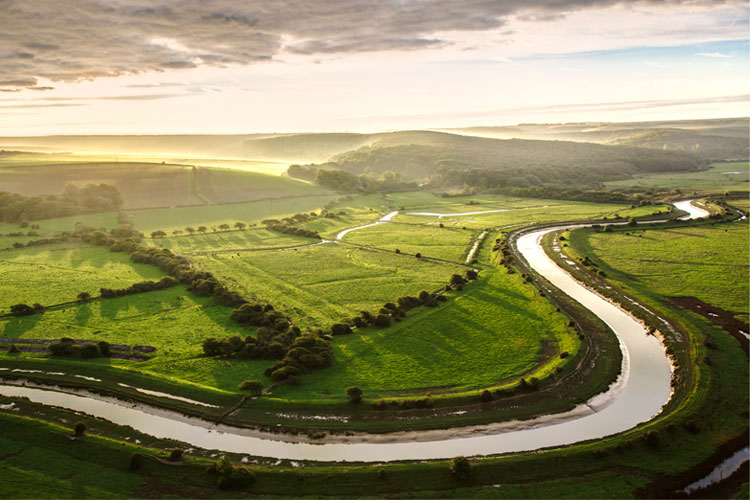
x=354, y=393
x=79, y=429
x=224, y=227
x=240, y=225
x=84, y=296
x=190, y=230
x=202, y=229
x=460, y=467
x=255, y=387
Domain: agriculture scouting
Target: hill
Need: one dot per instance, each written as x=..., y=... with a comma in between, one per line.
x=712, y=139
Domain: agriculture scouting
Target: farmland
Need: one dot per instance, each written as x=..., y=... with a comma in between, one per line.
x=718, y=177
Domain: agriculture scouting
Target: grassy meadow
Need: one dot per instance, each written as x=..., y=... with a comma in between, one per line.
x=55, y=274
x=225, y=241
x=709, y=263
x=718, y=177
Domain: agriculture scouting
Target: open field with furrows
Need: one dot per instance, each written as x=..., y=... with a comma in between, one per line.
x=709, y=263
x=252, y=212
x=231, y=186
x=328, y=283
x=494, y=330
x=429, y=241
x=225, y=241
x=56, y=274
x=719, y=177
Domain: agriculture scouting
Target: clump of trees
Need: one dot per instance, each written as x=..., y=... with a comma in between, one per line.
x=25, y=309
x=140, y=287
x=460, y=468
x=284, y=226
x=254, y=387
x=92, y=198
x=230, y=476
x=68, y=348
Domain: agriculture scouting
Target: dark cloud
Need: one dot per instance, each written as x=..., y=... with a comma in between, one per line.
x=72, y=40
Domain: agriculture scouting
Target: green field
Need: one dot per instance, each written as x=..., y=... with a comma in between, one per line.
x=169, y=219
x=733, y=176
x=328, y=283
x=709, y=263
x=48, y=227
x=225, y=241
x=430, y=241
x=493, y=331
x=56, y=274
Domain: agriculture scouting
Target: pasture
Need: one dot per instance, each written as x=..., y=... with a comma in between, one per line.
x=718, y=177
x=709, y=263
x=494, y=331
x=58, y=273
x=328, y=283
x=225, y=241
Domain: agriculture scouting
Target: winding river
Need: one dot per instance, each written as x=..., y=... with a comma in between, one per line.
x=639, y=394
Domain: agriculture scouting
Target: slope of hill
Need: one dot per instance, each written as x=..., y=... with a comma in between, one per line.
x=714, y=139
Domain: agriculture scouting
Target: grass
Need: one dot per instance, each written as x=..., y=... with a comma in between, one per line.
x=431, y=241
x=47, y=227
x=709, y=263
x=169, y=219
x=56, y=274
x=493, y=331
x=328, y=283
x=733, y=176
x=231, y=186
x=250, y=239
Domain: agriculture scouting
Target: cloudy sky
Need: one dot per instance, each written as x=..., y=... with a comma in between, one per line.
x=221, y=66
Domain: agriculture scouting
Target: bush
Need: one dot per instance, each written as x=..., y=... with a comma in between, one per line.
x=175, y=455
x=21, y=310
x=89, y=351
x=255, y=387
x=485, y=397
x=460, y=468
x=354, y=393
x=382, y=320
x=104, y=348
x=136, y=461
x=79, y=429
x=339, y=329
x=13, y=349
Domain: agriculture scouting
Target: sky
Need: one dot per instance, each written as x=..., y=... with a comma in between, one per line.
x=234, y=67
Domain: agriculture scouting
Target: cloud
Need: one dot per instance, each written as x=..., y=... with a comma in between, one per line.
x=74, y=40
x=713, y=54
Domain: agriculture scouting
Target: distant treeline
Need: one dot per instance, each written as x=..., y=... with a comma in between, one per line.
x=490, y=165
x=329, y=177
x=93, y=198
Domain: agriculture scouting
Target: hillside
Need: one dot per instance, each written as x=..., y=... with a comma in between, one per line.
x=712, y=139
x=445, y=158
x=149, y=185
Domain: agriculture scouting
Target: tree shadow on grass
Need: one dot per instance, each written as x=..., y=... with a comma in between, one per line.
x=17, y=325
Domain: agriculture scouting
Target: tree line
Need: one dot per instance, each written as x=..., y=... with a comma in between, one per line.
x=92, y=198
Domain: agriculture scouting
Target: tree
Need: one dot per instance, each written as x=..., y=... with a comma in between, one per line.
x=255, y=387
x=13, y=349
x=84, y=296
x=355, y=394
x=202, y=229
x=79, y=429
x=460, y=467
x=485, y=396
x=190, y=230
x=21, y=310
x=340, y=329
x=240, y=225
x=177, y=232
x=632, y=222
x=224, y=227
x=175, y=455
x=158, y=234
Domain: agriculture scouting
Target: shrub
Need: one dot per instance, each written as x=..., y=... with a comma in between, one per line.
x=175, y=455
x=485, y=397
x=382, y=320
x=460, y=468
x=89, y=351
x=381, y=474
x=255, y=387
x=339, y=329
x=79, y=429
x=84, y=296
x=13, y=349
x=136, y=461
x=354, y=393
x=21, y=310
x=104, y=348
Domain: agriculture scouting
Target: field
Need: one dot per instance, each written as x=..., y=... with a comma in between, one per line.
x=709, y=263
x=226, y=241
x=493, y=331
x=56, y=274
x=169, y=219
x=719, y=177
x=328, y=283
x=149, y=185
